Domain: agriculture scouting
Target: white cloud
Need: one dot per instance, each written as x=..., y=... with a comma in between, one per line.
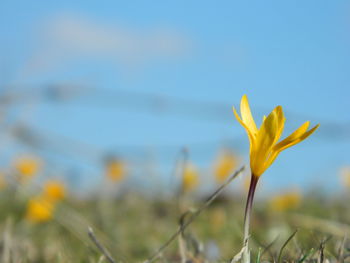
x=68, y=38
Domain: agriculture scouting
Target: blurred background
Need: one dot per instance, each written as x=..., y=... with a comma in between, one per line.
x=115, y=115
x=88, y=84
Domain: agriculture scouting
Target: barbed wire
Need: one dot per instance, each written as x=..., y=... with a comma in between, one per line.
x=50, y=142
x=136, y=101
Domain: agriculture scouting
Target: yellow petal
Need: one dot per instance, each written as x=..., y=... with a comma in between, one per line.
x=246, y=114
x=268, y=131
x=291, y=138
x=297, y=136
x=309, y=132
x=264, y=142
x=300, y=138
x=251, y=136
x=280, y=122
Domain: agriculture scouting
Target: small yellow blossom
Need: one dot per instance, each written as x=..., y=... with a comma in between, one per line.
x=115, y=170
x=264, y=145
x=190, y=178
x=54, y=190
x=286, y=201
x=39, y=210
x=218, y=218
x=3, y=181
x=225, y=166
x=345, y=176
x=27, y=167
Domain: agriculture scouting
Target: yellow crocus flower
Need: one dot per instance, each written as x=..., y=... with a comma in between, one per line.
x=39, y=210
x=264, y=148
x=217, y=219
x=27, y=167
x=115, y=170
x=345, y=176
x=54, y=190
x=225, y=165
x=3, y=182
x=190, y=178
x=264, y=145
x=286, y=201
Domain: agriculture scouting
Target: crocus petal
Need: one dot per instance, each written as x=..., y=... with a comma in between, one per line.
x=309, y=132
x=278, y=149
x=299, y=139
x=294, y=136
x=280, y=123
x=246, y=114
x=264, y=142
x=251, y=136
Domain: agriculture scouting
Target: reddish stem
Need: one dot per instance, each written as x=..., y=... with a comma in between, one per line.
x=248, y=209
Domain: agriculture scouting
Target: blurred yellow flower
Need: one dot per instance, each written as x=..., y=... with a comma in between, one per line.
x=27, y=167
x=115, y=170
x=54, y=190
x=345, y=176
x=286, y=201
x=39, y=210
x=264, y=145
x=190, y=178
x=225, y=165
x=218, y=218
x=3, y=181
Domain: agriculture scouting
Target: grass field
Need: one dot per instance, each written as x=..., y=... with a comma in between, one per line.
x=132, y=227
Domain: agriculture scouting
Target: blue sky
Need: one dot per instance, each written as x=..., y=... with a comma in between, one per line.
x=289, y=53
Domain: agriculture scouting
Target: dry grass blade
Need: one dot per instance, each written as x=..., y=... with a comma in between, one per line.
x=284, y=245
x=7, y=243
x=182, y=241
x=239, y=255
x=341, y=251
x=193, y=216
x=321, y=254
x=103, y=250
x=320, y=258
x=268, y=247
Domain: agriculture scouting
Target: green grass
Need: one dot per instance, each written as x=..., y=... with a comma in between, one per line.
x=133, y=227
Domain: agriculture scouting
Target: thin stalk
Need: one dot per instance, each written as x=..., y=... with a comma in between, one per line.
x=248, y=209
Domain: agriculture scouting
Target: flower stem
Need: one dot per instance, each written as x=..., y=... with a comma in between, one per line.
x=248, y=209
